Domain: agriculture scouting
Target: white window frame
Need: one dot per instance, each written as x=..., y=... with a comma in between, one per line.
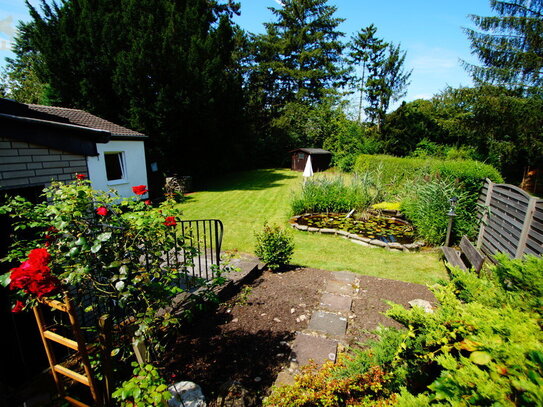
x=123, y=179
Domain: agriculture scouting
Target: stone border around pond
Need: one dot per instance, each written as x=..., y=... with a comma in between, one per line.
x=364, y=241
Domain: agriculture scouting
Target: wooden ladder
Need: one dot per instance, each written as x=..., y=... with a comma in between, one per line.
x=78, y=345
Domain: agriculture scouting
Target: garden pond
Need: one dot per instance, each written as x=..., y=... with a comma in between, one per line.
x=388, y=230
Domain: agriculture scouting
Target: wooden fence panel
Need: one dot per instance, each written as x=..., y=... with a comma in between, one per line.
x=511, y=221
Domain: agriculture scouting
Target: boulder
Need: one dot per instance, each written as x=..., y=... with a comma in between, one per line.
x=186, y=394
x=425, y=305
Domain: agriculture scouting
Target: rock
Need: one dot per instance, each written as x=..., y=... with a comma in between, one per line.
x=328, y=231
x=186, y=394
x=395, y=245
x=302, y=227
x=292, y=310
x=277, y=320
x=342, y=233
x=257, y=379
x=377, y=242
x=235, y=320
x=312, y=229
x=233, y=394
x=425, y=305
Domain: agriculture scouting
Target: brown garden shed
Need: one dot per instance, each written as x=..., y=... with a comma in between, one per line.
x=320, y=159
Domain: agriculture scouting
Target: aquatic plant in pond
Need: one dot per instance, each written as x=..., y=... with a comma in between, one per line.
x=388, y=230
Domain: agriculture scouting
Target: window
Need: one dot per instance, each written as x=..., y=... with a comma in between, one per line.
x=114, y=166
x=301, y=156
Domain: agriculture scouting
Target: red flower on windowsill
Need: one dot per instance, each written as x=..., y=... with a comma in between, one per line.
x=140, y=189
x=102, y=211
x=80, y=176
x=170, y=221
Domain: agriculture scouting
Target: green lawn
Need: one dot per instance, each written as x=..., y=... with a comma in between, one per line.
x=244, y=201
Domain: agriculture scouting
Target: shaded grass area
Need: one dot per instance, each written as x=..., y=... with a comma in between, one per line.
x=244, y=201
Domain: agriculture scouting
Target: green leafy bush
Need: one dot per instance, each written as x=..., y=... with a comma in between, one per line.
x=427, y=206
x=338, y=194
x=274, y=246
x=146, y=388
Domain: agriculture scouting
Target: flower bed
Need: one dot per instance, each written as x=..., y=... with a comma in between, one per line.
x=388, y=232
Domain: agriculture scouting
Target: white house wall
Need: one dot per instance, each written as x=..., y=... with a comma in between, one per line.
x=135, y=171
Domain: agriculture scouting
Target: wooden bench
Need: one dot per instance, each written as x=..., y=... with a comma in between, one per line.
x=468, y=257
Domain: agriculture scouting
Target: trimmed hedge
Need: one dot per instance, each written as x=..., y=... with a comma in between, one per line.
x=399, y=170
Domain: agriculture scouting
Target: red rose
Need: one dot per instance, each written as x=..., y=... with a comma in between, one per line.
x=102, y=211
x=170, y=221
x=33, y=276
x=19, y=305
x=140, y=189
x=80, y=176
x=148, y=202
x=39, y=257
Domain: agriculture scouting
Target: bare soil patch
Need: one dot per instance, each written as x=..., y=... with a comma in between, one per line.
x=247, y=338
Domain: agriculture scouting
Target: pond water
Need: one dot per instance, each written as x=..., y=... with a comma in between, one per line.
x=388, y=230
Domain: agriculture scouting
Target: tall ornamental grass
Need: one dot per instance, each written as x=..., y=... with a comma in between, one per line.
x=338, y=194
x=427, y=206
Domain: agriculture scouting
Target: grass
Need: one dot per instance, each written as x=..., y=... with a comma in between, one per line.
x=244, y=201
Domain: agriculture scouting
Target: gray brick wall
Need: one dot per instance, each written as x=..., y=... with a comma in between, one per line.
x=23, y=164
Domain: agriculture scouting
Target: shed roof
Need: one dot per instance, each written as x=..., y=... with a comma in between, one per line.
x=63, y=115
x=311, y=150
x=85, y=119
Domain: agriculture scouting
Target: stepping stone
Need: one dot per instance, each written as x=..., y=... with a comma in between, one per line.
x=339, y=287
x=328, y=323
x=307, y=347
x=334, y=302
x=346, y=276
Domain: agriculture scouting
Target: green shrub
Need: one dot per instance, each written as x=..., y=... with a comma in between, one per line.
x=338, y=194
x=146, y=388
x=427, y=206
x=274, y=246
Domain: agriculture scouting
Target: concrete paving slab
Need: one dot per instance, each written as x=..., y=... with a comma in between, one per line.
x=346, y=276
x=332, y=324
x=307, y=347
x=335, y=302
x=339, y=287
x=284, y=378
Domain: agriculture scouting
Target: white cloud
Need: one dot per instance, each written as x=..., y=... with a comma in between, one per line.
x=421, y=96
x=279, y=2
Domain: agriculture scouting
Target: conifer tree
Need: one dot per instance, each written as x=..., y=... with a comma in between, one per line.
x=163, y=67
x=510, y=45
x=301, y=51
x=364, y=45
x=20, y=76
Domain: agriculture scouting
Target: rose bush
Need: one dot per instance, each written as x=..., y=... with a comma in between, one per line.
x=113, y=255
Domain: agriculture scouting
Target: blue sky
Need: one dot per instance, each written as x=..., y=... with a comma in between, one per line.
x=429, y=30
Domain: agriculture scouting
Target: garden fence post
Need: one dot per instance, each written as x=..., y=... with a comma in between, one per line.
x=528, y=219
x=484, y=218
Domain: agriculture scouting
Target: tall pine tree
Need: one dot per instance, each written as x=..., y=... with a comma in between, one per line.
x=509, y=45
x=301, y=51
